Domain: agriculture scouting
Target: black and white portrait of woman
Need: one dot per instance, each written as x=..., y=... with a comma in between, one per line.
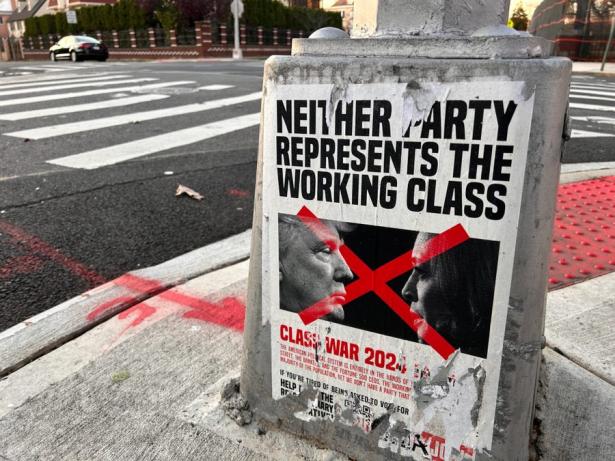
x=453, y=292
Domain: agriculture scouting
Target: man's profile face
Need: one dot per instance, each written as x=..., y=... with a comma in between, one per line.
x=312, y=270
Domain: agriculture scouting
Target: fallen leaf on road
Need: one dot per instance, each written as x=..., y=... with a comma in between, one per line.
x=181, y=190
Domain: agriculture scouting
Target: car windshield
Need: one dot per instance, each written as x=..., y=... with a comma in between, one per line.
x=83, y=39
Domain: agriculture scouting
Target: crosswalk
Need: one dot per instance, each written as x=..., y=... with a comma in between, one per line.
x=72, y=104
x=21, y=70
x=76, y=103
x=591, y=101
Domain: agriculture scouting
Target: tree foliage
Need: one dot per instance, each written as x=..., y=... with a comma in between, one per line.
x=271, y=13
x=176, y=14
x=123, y=15
x=168, y=15
x=519, y=18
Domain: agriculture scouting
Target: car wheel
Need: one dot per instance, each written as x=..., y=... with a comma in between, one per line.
x=102, y=59
x=52, y=57
x=73, y=56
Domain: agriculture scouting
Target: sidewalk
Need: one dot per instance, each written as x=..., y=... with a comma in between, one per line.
x=594, y=67
x=144, y=358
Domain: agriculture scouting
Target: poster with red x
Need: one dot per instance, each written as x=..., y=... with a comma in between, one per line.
x=390, y=214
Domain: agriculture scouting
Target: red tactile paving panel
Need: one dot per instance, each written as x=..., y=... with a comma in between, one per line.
x=584, y=232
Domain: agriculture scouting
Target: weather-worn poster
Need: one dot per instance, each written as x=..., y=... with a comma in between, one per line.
x=390, y=216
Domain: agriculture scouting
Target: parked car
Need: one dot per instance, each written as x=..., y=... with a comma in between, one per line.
x=77, y=48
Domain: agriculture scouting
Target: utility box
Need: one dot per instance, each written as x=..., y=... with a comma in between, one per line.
x=404, y=206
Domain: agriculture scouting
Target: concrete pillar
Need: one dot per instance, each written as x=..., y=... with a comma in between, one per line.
x=173, y=37
x=275, y=36
x=289, y=37
x=259, y=31
x=41, y=44
x=133, y=38
x=349, y=379
x=99, y=35
x=223, y=37
x=206, y=34
x=198, y=33
x=243, y=35
x=116, y=39
x=151, y=37
x=399, y=18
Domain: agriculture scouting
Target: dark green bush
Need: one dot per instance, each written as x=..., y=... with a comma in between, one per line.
x=136, y=14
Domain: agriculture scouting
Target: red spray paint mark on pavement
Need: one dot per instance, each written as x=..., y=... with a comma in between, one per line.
x=583, y=232
x=109, y=305
x=140, y=312
x=21, y=265
x=376, y=280
x=143, y=288
x=229, y=312
x=238, y=193
x=140, y=284
x=42, y=248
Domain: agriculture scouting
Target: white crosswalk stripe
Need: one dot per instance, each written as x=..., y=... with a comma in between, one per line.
x=96, y=124
x=64, y=79
x=78, y=94
x=214, y=87
x=595, y=119
x=578, y=105
x=38, y=78
x=134, y=149
x=593, y=86
x=102, y=81
x=117, y=102
x=38, y=69
x=596, y=98
x=590, y=134
x=56, y=68
x=600, y=93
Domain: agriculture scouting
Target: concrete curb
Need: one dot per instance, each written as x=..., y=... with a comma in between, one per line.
x=46, y=331
x=574, y=411
x=576, y=172
x=579, y=322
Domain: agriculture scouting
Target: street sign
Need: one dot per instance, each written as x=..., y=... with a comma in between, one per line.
x=237, y=8
x=71, y=17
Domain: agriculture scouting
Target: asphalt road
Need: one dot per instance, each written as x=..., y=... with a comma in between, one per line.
x=90, y=215
x=65, y=230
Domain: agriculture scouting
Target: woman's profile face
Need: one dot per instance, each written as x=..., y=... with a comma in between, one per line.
x=429, y=293
x=312, y=270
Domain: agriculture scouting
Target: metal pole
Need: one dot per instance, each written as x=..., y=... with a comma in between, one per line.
x=584, y=45
x=608, y=43
x=237, y=54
